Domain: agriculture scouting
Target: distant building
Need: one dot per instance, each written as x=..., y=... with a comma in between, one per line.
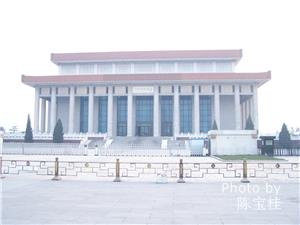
x=147, y=93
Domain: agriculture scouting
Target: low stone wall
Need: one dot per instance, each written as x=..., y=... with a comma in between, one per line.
x=141, y=169
x=233, y=142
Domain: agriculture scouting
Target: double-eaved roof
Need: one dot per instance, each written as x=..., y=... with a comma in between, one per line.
x=60, y=58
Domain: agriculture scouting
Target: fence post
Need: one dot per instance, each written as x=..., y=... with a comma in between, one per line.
x=245, y=180
x=56, y=169
x=117, y=179
x=1, y=174
x=180, y=180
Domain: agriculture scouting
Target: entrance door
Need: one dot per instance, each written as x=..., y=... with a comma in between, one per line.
x=144, y=130
x=144, y=115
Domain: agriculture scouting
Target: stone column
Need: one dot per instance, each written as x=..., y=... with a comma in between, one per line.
x=217, y=106
x=242, y=116
x=91, y=110
x=110, y=112
x=196, y=111
x=247, y=109
x=43, y=115
x=237, y=108
x=176, y=121
x=156, y=122
x=255, y=108
x=129, y=113
x=49, y=116
x=53, y=109
x=71, y=110
x=1, y=147
x=245, y=113
x=37, y=110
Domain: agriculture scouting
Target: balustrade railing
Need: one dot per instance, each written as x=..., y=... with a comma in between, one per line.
x=142, y=169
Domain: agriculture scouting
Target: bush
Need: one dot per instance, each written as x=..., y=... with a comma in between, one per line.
x=214, y=126
x=28, y=133
x=58, y=133
x=284, y=137
x=249, y=124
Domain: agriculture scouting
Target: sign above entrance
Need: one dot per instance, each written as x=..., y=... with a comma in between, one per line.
x=142, y=90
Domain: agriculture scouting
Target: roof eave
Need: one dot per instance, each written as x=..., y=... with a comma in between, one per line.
x=234, y=55
x=259, y=78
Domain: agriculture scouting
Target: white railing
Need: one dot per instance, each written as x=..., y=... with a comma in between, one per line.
x=48, y=136
x=42, y=148
x=77, y=149
x=192, y=136
x=150, y=169
x=142, y=152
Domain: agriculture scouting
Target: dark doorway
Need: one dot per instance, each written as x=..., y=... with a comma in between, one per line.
x=144, y=115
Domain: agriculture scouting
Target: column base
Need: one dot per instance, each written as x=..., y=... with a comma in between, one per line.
x=180, y=180
x=245, y=180
x=56, y=178
x=117, y=179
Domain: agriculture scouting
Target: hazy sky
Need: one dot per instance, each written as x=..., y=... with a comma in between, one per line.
x=267, y=31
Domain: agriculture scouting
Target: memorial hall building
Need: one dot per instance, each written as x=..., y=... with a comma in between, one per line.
x=146, y=93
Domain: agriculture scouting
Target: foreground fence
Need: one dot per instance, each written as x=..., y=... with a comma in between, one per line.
x=146, y=170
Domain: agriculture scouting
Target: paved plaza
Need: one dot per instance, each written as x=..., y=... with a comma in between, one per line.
x=38, y=200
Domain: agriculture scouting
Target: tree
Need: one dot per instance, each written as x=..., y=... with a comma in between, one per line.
x=214, y=126
x=284, y=137
x=249, y=124
x=58, y=133
x=28, y=133
x=2, y=129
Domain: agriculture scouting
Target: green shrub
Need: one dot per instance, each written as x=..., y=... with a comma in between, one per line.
x=58, y=133
x=28, y=133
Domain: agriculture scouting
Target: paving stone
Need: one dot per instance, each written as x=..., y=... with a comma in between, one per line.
x=41, y=201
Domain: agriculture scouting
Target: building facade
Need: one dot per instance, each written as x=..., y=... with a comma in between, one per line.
x=149, y=93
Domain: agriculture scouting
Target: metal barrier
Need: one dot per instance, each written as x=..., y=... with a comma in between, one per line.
x=117, y=179
x=180, y=180
x=56, y=171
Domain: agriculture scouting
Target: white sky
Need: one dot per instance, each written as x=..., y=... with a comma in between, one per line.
x=267, y=31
